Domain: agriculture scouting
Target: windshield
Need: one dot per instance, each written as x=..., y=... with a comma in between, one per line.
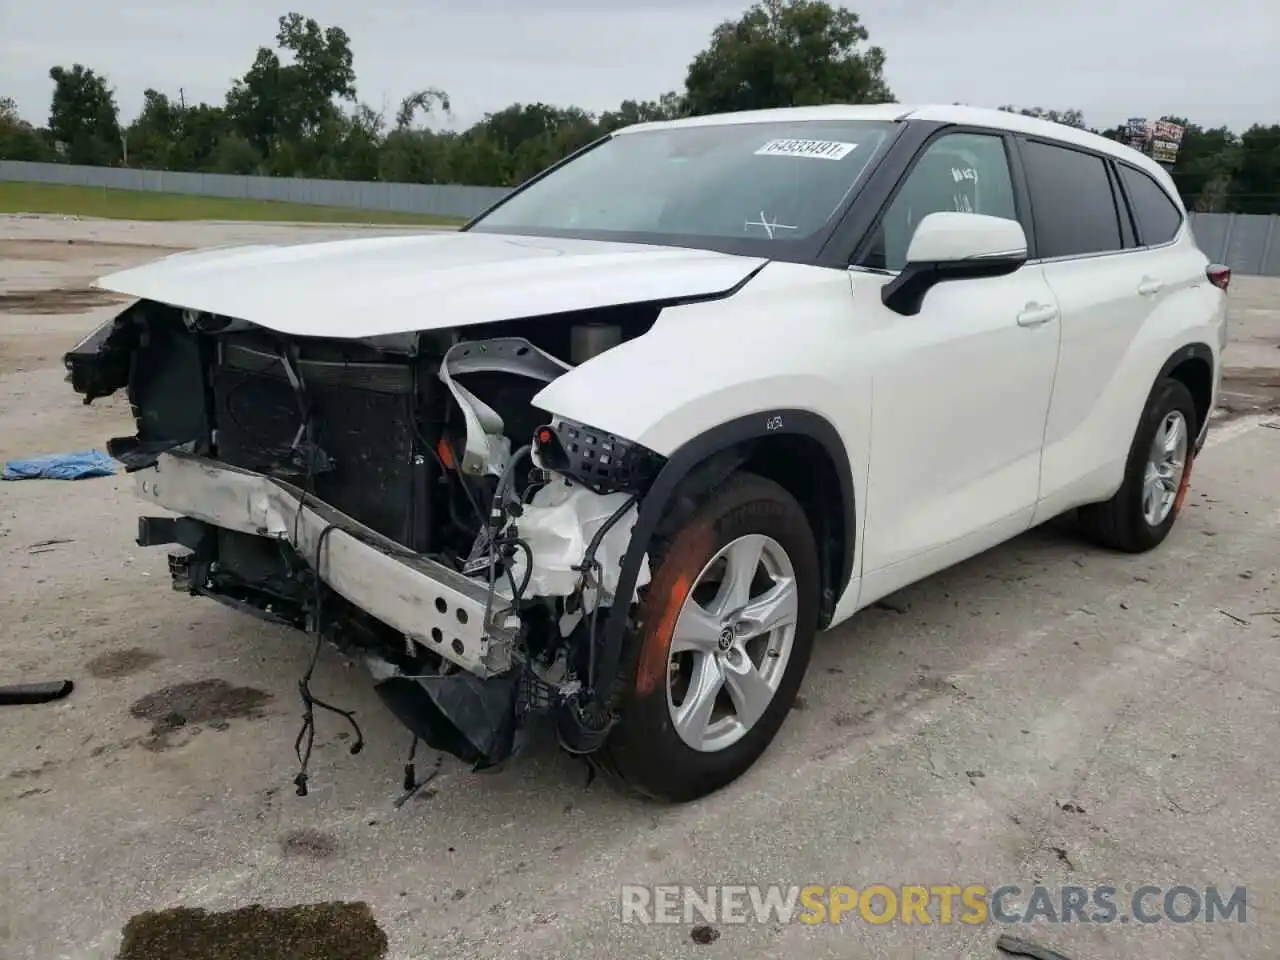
x=758, y=188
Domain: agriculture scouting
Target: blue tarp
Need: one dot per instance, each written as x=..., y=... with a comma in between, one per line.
x=61, y=466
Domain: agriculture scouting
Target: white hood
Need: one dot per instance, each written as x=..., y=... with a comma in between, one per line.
x=377, y=286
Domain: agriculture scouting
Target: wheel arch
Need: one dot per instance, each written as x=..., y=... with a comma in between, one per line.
x=800, y=450
x=1193, y=366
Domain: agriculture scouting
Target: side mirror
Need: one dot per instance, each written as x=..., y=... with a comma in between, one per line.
x=954, y=246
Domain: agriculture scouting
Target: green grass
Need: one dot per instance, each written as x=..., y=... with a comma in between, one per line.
x=142, y=205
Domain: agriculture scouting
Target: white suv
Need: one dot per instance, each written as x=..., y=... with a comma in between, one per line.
x=616, y=450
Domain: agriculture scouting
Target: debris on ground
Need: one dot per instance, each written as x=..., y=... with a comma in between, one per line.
x=45, y=546
x=314, y=931
x=1025, y=948
x=61, y=466
x=704, y=935
x=24, y=693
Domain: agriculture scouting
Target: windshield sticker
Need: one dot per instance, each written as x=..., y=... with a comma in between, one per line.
x=814, y=149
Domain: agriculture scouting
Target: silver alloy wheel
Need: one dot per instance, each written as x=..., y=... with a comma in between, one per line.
x=1165, y=464
x=731, y=643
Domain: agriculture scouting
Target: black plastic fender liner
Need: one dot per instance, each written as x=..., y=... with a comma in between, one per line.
x=1196, y=351
x=1192, y=351
x=679, y=466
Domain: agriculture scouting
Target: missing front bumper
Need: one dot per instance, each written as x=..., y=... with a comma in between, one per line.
x=430, y=604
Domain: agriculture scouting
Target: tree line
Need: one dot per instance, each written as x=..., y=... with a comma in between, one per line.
x=295, y=113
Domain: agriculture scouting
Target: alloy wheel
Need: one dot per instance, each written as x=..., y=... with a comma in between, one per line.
x=731, y=643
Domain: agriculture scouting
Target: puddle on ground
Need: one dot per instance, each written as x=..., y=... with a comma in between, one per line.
x=121, y=663
x=312, y=931
x=63, y=300
x=204, y=701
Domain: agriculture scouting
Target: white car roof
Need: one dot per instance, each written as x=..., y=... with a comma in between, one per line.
x=976, y=116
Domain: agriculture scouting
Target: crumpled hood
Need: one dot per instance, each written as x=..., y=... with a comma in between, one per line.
x=377, y=286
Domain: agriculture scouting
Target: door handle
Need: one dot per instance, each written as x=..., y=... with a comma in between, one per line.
x=1036, y=314
x=1150, y=286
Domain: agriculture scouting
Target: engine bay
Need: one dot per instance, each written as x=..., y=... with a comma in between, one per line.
x=425, y=448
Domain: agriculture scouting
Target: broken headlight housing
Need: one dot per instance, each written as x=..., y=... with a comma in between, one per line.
x=598, y=460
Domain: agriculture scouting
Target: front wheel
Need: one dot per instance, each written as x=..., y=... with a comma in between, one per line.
x=1157, y=473
x=724, y=637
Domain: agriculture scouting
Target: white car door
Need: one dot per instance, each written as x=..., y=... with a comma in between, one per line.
x=961, y=390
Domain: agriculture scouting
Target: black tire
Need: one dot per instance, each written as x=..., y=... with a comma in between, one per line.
x=644, y=751
x=1119, y=523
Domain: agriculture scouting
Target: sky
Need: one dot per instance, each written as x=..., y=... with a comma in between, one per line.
x=1112, y=59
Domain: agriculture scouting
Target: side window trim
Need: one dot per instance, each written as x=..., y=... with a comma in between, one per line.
x=1107, y=160
x=1183, y=218
x=1130, y=229
x=1020, y=196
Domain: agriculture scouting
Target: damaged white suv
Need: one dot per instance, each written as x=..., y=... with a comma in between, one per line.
x=616, y=450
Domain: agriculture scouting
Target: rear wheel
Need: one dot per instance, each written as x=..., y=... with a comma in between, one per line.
x=723, y=642
x=1157, y=474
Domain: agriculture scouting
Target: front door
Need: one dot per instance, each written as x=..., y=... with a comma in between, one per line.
x=961, y=390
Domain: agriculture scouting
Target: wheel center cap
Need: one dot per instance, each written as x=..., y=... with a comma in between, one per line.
x=725, y=640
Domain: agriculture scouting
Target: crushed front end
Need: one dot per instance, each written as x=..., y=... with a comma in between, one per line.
x=398, y=497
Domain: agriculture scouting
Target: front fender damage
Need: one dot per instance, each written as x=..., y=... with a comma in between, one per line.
x=564, y=573
x=561, y=553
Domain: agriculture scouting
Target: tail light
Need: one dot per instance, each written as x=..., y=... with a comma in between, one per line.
x=1218, y=275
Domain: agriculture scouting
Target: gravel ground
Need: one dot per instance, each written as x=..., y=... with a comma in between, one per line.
x=1044, y=713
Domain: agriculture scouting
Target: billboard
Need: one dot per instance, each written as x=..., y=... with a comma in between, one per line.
x=1158, y=139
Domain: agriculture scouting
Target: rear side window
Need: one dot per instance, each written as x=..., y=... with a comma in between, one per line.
x=1158, y=216
x=1072, y=201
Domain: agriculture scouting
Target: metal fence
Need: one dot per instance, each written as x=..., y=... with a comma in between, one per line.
x=440, y=200
x=1247, y=243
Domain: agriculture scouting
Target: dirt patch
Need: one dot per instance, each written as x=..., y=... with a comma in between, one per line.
x=31, y=352
x=1257, y=378
x=704, y=935
x=315, y=844
x=62, y=251
x=200, y=702
x=57, y=300
x=27, y=772
x=315, y=931
x=1247, y=390
x=121, y=663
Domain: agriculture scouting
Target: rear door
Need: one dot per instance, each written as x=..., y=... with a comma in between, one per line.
x=1105, y=288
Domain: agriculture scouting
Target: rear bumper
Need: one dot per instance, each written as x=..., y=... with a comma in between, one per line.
x=432, y=605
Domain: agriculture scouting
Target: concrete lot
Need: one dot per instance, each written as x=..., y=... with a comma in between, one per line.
x=1043, y=713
